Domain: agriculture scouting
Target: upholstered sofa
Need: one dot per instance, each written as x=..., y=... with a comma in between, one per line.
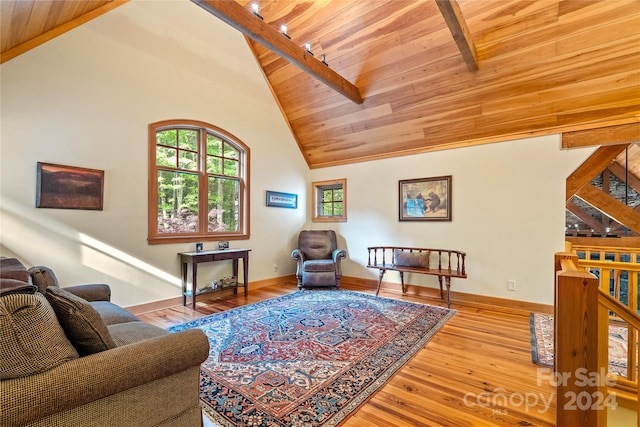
x=70, y=357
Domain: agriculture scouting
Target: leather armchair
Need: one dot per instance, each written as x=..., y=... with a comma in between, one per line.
x=318, y=259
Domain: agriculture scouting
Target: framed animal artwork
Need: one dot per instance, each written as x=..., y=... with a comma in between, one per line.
x=425, y=199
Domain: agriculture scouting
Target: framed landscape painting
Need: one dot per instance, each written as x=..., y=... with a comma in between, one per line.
x=425, y=199
x=69, y=187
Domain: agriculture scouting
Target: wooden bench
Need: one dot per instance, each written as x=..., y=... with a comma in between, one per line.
x=444, y=263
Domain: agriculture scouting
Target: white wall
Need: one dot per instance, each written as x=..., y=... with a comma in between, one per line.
x=86, y=98
x=507, y=205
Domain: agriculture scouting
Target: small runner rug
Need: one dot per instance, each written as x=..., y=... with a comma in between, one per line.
x=542, y=331
x=309, y=358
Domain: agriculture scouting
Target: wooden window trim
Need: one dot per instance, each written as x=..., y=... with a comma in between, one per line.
x=315, y=188
x=244, y=216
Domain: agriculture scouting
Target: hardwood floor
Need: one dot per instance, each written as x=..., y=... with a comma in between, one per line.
x=476, y=371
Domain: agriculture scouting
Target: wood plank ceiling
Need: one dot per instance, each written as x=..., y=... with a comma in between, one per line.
x=543, y=67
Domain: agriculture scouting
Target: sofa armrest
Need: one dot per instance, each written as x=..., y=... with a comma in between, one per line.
x=91, y=292
x=99, y=375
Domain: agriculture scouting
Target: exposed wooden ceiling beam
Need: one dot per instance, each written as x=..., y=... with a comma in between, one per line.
x=450, y=10
x=609, y=135
x=621, y=173
x=591, y=167
x=60, y=29
x=617, y=210
x=253, y=27
x=584, y=216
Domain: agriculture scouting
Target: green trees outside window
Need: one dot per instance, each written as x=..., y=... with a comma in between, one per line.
x=198, y=183
x=329, y=200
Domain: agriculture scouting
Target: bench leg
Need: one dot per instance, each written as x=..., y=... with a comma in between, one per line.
x=448, y=280
x=404, y=288
x=380, y=281
x=441, y=282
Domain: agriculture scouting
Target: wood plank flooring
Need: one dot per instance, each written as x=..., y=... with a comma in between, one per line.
x=476, y=371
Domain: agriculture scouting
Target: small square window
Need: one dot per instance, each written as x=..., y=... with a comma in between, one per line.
x=329, y=201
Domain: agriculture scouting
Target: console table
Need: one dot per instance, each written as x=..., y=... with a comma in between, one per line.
x=195, y=258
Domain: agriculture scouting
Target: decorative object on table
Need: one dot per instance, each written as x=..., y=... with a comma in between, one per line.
x=199, y=247
x=69, y=187
x=222, y=245
x=282, y=200
x=307, y=358
x=228, y=282
x=542, y=333
x=425, y=199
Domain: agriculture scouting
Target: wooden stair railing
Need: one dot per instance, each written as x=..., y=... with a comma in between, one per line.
x=582, y=318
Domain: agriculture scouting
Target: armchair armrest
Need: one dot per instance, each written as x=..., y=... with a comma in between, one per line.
x=297, y=255
x=338, y=255
x=91, y=292
x=101, y=375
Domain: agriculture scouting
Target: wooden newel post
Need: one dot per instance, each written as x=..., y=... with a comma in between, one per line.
x=580, y=377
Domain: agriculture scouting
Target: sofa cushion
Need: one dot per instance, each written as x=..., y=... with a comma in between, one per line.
x=80, y=321
x=112, y=313
x=32, y=339
x=132, y=332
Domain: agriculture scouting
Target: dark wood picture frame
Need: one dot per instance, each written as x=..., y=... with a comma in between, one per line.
x=425, y=199
x=69, y=187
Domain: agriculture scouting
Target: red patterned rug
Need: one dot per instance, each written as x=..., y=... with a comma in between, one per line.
x=309, y=358
x=542, y=331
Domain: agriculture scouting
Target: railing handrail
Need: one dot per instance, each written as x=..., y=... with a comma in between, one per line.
x=621, y=310
x=614, y=265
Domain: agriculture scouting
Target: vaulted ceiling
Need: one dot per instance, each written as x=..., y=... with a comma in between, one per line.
x=549, y=66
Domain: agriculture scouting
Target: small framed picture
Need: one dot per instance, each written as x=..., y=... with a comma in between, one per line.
x=425, y=199
x=282, y=200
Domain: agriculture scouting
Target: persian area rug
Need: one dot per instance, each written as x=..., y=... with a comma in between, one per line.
x=542, y=332
x=309, y=358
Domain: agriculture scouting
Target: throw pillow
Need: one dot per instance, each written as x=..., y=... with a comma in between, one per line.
x=411, y=259
x=13, y=286
x=32, y=339
x=11, y=268
x=81, y=322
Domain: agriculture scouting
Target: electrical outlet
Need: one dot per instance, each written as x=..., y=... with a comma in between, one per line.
x=511, y=285
x=275, y=267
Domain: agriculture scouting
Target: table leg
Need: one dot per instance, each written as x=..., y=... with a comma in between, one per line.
x=194, y=284
x=185, y=268
x=234, y=262
x=245, y=273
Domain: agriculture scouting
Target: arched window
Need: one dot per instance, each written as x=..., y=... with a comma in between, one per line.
x=198, y=183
